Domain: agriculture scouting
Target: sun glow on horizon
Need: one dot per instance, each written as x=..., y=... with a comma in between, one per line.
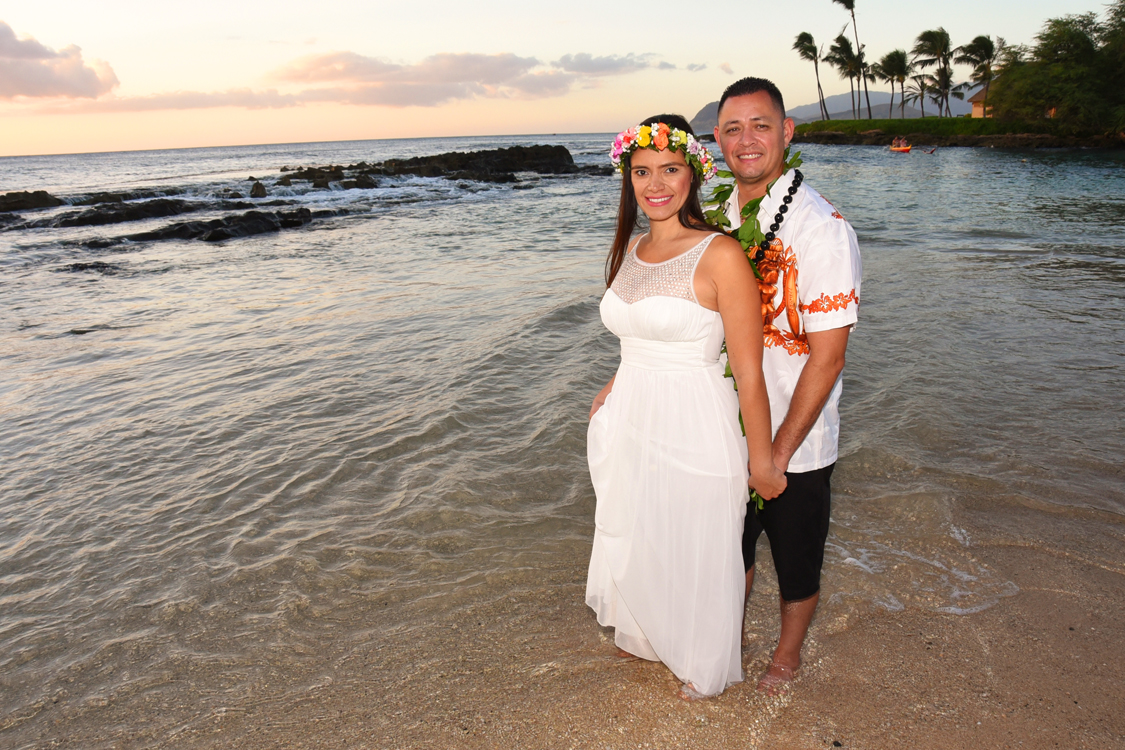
x=74, y=79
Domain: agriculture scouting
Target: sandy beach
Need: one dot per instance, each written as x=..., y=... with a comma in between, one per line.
x=1040, y=669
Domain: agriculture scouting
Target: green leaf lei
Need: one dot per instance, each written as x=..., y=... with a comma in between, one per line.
x=749, y=235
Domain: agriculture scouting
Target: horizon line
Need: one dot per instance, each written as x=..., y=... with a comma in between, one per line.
x=299, y=143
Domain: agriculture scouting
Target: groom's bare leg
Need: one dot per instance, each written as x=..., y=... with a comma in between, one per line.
x=795, y=619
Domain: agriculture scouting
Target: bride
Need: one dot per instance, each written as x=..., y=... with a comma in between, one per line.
x=667, y=455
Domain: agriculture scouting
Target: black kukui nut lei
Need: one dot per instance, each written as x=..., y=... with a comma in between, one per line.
x=779, y=217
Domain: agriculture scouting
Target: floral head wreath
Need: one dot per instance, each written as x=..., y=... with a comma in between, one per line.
x=658, y=137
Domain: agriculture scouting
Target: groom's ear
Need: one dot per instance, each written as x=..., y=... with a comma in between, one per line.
x=716, y=133
x=789, y=127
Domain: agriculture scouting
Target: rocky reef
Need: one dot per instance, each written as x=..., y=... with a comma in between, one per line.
x=502, y=165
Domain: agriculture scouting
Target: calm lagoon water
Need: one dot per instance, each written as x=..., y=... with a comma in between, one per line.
x=223, y=465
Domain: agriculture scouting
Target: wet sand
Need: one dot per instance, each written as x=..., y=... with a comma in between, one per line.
x=531, y=669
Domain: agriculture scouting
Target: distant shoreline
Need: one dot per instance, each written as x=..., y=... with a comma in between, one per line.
x=951, y=131
x=1010, y=140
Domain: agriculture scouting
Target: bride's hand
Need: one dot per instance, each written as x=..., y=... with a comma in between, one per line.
x=599, y=401
x=603, y=394
x=769, y=484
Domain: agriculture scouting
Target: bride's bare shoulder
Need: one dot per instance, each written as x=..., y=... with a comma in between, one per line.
x=726, y=249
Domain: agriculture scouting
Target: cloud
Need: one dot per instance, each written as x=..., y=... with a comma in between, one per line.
x=350, y=78
x=435, y=80
x=725, y=67
x=31, y=69
x=696, y=67
x=244, y=98
x=586, y=64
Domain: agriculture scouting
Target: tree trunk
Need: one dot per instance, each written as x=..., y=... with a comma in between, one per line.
x=859, y=51
x=820, y=91
x=851, y=91
x=891, y=106
x=902, y=101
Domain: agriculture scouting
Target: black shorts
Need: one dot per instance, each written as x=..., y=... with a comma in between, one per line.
x=796, y=523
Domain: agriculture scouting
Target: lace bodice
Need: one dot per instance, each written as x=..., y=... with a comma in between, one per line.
x=637, y=280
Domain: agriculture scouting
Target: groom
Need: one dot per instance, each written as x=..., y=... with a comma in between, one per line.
x=810, y=293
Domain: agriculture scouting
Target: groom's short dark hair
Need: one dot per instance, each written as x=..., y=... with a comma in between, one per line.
x=748, y=85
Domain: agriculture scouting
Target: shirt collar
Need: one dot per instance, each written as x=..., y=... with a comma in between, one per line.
x=768, y=207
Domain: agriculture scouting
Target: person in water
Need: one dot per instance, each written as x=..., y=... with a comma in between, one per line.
x=810, y=270
x=668, y=459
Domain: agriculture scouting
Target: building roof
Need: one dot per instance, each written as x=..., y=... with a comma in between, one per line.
x=977, y=97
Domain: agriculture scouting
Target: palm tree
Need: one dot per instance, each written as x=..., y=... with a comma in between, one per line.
x=895, y=67
x=842, y=57
x=917, y=92
x=934, y=48
x=942, y=83
x=805, y=46
x=980, y=54
x=849, y=5
x=881, y=73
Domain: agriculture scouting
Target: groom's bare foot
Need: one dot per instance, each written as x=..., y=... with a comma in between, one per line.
x=625, y=654
x=777, y=678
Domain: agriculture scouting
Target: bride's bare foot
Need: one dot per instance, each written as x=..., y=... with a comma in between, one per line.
x=625, y=654
x=776, y=679
x=689, y=693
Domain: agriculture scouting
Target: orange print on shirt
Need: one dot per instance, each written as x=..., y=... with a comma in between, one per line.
x=780, y=261
x=824, y=303
x=835, y=214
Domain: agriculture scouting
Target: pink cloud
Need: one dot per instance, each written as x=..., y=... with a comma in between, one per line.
x=31, y=69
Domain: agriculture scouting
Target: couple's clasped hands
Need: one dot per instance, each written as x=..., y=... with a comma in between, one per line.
x=769, y=483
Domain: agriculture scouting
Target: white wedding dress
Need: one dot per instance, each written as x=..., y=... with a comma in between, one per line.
x=668, y=463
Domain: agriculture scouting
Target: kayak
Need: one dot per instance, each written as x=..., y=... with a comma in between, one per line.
x=902, y=149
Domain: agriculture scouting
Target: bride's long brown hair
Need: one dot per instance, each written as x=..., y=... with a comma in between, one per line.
x=691, y=213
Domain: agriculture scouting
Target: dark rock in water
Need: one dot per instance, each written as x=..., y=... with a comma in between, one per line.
x=334, y=173
x=229, y=227
x=251, y=178
x=249, y=223
x=116, y=213
x=25, y=201
x=494, y=165
x=284, y=182
x=234, y=195
x=597, y=169
x=136, y=195
x=257, y=190
x=107, y=269
x=497, y=165
x=284, y=169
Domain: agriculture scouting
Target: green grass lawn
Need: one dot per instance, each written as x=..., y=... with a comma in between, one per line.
x=932, y=126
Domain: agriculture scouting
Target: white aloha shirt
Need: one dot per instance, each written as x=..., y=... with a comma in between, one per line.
x=817, y=249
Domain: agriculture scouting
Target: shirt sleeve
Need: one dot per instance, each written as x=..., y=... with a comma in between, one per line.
x=829, y=275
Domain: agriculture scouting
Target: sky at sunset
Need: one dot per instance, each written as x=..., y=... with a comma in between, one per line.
x=122, y=75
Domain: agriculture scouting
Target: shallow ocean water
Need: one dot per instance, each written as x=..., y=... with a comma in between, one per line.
x=224, y=463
